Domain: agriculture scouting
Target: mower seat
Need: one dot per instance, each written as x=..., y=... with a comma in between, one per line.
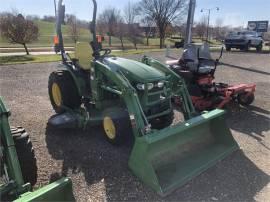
x=83, y=54
x=206, y=67
x=198, y=59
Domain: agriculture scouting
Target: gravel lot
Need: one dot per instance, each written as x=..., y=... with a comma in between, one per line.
x=99, y=171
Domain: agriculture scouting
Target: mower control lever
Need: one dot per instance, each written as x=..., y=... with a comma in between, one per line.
x=221, y=53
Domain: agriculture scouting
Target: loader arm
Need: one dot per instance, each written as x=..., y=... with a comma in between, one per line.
x=129, y=94
x=12, y=162
x=178, y=85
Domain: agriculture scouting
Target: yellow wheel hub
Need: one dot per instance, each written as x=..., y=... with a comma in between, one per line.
x=109, y=127
x=56, y=94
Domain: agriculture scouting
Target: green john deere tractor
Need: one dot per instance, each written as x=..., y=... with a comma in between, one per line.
x=132, y=99
x=18, y=169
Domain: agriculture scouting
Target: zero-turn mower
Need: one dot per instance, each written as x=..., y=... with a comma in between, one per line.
x=132, y=99
x=18, y=169
x=198, y=69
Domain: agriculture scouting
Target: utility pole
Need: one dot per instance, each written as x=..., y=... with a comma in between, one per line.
x=190, y=20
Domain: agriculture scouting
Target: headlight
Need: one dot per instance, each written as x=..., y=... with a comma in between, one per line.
x=160, y=84
x=141, y=86
x=150, y=86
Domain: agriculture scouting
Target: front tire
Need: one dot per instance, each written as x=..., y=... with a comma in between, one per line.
x=117, y=128
x=26, y=155
x=63, y=91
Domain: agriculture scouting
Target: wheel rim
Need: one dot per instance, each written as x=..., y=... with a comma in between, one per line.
x=109, y=128
x=56, y=94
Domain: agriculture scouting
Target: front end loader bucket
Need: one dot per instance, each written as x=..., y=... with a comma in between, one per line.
x=60, y=190
x=168, y=158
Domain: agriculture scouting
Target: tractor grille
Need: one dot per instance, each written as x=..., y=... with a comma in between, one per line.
x=234, y=40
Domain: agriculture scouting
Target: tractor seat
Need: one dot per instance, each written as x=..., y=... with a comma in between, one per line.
x=83, y=55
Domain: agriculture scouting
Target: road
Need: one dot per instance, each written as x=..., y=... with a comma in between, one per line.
x=99, y=171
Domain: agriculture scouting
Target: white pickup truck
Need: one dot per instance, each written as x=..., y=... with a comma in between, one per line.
x=243, y=40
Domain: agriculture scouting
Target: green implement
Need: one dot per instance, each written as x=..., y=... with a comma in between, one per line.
x=18, y=170
x=60, y=190
x=168, y=158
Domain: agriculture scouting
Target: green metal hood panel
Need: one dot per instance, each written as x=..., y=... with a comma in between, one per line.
x=135, y=70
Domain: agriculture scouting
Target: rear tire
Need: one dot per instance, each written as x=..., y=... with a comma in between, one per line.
x=244, y=99
x=63, y=91
x=26, y=155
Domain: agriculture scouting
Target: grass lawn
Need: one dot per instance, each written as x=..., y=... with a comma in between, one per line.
x=24, y=59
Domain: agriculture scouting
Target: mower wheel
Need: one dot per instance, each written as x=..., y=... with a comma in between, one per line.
x=245, y=98
x=26, y=155
x=63, y=91
x=116, y=129
x=163, y=121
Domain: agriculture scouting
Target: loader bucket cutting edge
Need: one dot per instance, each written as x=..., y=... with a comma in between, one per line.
x=61, y=190
x=168, y=158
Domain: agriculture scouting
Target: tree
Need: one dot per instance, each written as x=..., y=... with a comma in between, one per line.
x=201, y=27
x=18, y=30
x=163, y=12
x=133, y=32
x=218, y=31
x=109, y=19
x=74, y=30
x=121, y=31
x=48, y=18
x=149, y=29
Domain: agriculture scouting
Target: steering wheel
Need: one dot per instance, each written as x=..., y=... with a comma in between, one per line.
x=107, y=51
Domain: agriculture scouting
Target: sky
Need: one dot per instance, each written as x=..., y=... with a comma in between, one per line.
x=232, y=12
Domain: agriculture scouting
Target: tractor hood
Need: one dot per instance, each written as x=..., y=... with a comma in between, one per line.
x=134, y=70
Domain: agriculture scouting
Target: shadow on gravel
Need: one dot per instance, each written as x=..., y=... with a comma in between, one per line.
x=235, y=178
x=252, y=120
x=246, y=69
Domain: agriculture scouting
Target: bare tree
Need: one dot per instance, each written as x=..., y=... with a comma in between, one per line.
x=149, y=28
x=18, y=30
x=121, y=30
x=109, y=19
x=48, y=18
x=218, y=29
x=201, y=27
x=74, y=29
x=163, y=12
x=133, y=32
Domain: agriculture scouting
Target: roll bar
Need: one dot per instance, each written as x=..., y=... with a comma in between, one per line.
x=94, y=43
x=59, y=43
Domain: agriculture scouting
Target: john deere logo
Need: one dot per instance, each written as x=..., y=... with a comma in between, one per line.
x=252, y=26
